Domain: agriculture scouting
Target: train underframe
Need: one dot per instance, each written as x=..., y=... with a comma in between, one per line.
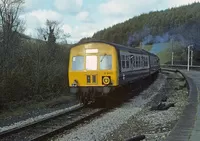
x=90, y=94
x=87, y=95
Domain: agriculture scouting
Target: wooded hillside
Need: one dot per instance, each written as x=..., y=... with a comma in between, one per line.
x=180, y=24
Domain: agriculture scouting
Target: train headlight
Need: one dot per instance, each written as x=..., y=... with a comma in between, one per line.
x=75, y=83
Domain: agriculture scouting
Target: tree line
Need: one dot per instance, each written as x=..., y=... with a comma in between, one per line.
x=153, y=26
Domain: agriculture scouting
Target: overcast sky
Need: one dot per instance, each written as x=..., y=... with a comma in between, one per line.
x=81, y=18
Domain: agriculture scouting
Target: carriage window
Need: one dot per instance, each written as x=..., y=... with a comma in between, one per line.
x=143, y=61
x=136, y=61
x=78, y=63
x=146, y=62
x=131, y=58
x=133, y=61
x=106, y=62
x=127, y=61
x=139, y=61
x=123, y=61
x=91, y=62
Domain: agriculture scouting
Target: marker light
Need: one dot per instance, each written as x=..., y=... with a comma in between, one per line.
x=91, y=50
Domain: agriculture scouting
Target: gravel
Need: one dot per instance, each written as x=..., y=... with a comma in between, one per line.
x=102, y=127
x=155, y=125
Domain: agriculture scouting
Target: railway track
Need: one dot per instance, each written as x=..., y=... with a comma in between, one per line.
x=46, y=128
x=55, y=124
x=175, y=71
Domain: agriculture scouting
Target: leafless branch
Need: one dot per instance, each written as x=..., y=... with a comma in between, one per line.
x=9, y=29
x=52, y=32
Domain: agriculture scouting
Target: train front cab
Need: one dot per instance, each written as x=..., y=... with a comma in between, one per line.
x=92, y=70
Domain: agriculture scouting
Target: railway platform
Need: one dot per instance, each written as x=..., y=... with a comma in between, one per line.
x=188, y=127
x=195, y=134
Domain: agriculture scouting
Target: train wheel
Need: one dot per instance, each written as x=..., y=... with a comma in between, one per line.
x=81, y=98
x=92, y=97
x=86, y=101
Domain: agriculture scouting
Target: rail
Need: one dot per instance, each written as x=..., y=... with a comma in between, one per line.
x=40, y=120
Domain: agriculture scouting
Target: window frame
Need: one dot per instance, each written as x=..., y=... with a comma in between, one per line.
x=83, y=67
x=104, y=58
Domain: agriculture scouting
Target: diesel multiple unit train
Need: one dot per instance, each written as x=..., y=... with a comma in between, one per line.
x=96, y=68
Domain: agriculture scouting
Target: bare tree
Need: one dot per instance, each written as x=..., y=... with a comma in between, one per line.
x=10, y=26
x=52, y=32
x=9, y=19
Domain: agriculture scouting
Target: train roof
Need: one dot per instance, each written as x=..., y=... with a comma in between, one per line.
x=120, y=47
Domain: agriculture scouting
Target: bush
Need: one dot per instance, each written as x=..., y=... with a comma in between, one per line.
x=35, y=73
